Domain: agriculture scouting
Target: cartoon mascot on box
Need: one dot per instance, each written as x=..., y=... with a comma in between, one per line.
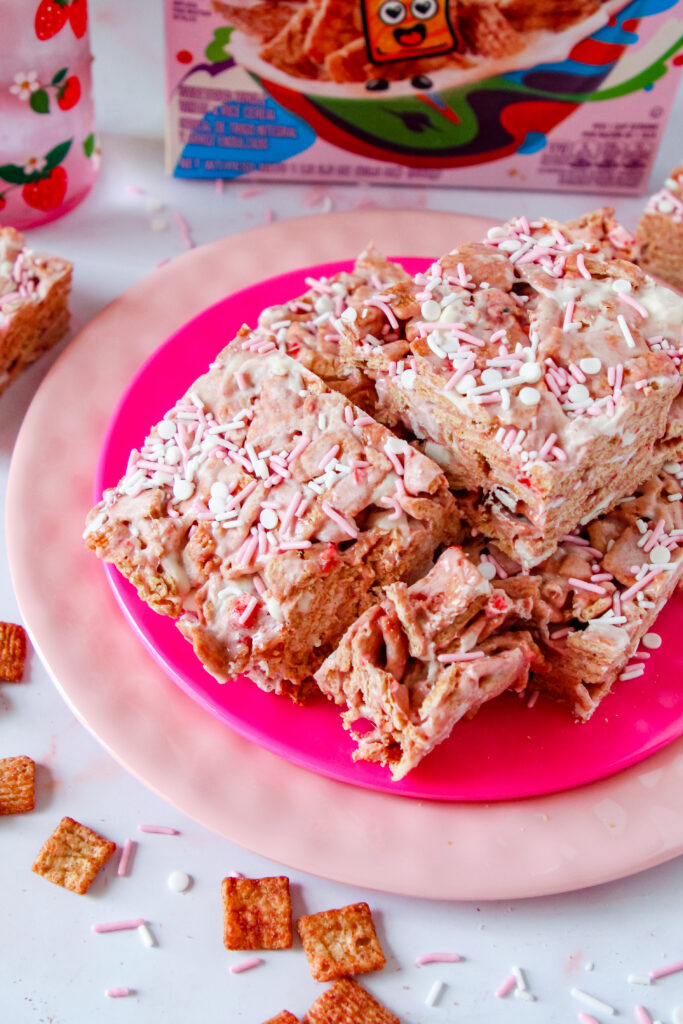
x=398, y=30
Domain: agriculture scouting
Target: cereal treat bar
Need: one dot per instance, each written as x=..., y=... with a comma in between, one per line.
x=596, y=597
x=262, y=511
x=660, y=232
x=425, y=657
x=601, y=232
x=534, y=371
x=305, y=327
x=34, y=314
x=341, y=942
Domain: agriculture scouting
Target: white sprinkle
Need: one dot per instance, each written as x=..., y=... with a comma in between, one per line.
x=183, y=489
x=179, y=881
x=621, y=285
x=510, y=245
x=578, y=393
x=520, y=978
x=487, y=570
x=626, y=331
x=529, y=396
x=146, y=936
x=491, y=376
x=638, y=979
x=589, y=966
x=530, y=373
x=671, y=467
x=660, y=555
x=408, y=378
x=592, y=1001
x=590, y=365
x=434, y=993
x=430, y=310
x=674, y=497
x=268, y=518
x=652, y=641
x=166, y=429
x=466, y=384
x=523, y=993
x=349, y=315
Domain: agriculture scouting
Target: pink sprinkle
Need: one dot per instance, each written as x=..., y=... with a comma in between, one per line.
x=289, y=513
x=339, y=519
x=437, y=958
x=247, y=193
x=245, y=555
x=118, y=993
x=532, y=699
x=577, y=373
x=239, y=380
x=383, y=308
x=301, y=445
x=394, y=460
x=582, y=268
x=363, y=421
x=135, y=190
x=390, y=502
x=640, y=585
x=640, y=384
x=462, y=275
x=332, y=454
x=248, y=611
x=591, y=588
x=587, y=1018
x=498, y=335
x=293, y=545
x=125, y=857
x=506, y=988
x=653, y=539
x=460, y=373
x=118, y=926
x=559, y=454
x=259, y=585
x=663, y=972
x=220, y=186
x=246, y=965
x=568, y=315
x=236, y=874
x=560, y=634
x=451, y=659
x=641, y=1015
x=601, y=577
x=348, y=415
x=547, y=446
x=268, y=215
x=161, y=830
x=639, y=308
x=184, y=230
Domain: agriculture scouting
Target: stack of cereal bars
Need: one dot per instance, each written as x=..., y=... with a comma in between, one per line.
x=416, y=493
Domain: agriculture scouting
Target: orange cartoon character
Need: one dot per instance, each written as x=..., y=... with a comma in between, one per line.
x=401, y=29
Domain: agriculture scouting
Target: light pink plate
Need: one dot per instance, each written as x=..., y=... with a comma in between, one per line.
x=507, y=751
x=438, y=848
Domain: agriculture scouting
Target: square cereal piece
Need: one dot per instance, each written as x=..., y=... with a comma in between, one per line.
x=283, y=1018
x=73, y=855
x=12, y=652
x=257, y=913
x=347, y=1002
x=341, y=942
x=17, y=781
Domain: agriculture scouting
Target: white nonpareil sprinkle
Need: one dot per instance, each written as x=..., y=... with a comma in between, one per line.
x=491, y=376
x=183, y=489
x=652, y=641
x=578, y=393
x=621, y=285
x=166, y=429
x=408, y=378
x=268, y=519
x=466, y=384
x=660, y=555
x=146, y=936
x=435, y=993
x=349, y=315
x=179, y=881
x=529, y=396
x=430, y=310
x=590, y=365
x=592, y=1001
x=487, y=570
x=530, y=373
x=671, y=467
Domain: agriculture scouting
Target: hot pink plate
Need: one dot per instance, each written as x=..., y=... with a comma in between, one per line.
x=467, y=849
x=507, y=751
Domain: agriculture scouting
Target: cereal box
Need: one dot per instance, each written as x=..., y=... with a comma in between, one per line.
x=537, y=94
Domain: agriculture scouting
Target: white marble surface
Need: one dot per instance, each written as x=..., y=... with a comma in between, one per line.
x=52, y=968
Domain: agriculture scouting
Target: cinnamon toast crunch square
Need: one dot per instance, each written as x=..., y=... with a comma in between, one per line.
x=341, y=942
x=347, y=1002
x=12, y=652
x=283, y=1018
x=73, y=855
x=257, y=913
x=17, y=785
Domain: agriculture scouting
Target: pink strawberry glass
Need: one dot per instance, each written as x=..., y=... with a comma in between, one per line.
x=49, y=154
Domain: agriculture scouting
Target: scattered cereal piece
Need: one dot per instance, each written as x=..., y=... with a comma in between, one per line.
x=17, y=785
x=179, y=881
x=347, y=1002
x=12, y=652
x=246, y=965
x=73, y=855
x=435, y=993
x=341, y=942
x=257, y=913
x=283, y=1018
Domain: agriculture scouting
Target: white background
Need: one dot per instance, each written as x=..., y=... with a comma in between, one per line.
x=52, y=968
